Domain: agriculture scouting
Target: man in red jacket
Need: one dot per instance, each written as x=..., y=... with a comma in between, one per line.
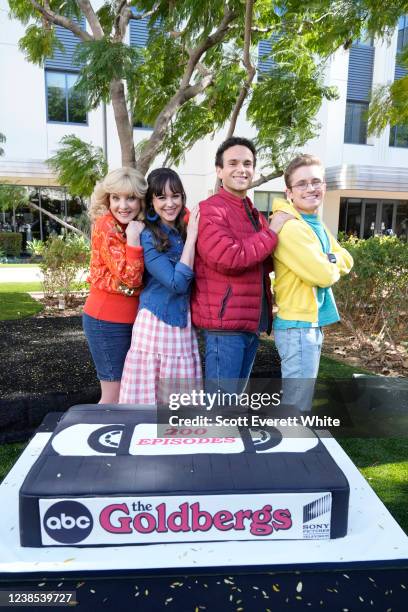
x=231, y=298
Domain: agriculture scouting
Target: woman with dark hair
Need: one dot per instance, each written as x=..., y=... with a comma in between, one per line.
x=164, y=344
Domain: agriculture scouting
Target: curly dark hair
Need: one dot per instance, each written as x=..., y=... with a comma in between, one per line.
x=232, y=142
x=157, y=181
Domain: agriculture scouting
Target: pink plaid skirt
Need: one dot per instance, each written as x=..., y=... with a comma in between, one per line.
x=162, y=359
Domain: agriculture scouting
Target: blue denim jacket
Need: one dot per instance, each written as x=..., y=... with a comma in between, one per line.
x=167, y=280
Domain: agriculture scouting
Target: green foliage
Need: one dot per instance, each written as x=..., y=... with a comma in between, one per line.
x=281, y=106
x=102, y=61
x=389, y=104
x=158, y=74
x=62, y=260
x=10, y=243
x=79, y=165
x=374, y=296
x=35, y=247
x=12, y=196
x=294, y=90
x=83, y=223
x=38, y=43
x=197, y=119
x=25, y=11
x=106, y=16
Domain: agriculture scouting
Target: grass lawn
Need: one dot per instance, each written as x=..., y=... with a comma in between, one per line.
x=381, y=463
x=16, y=303
x=21, y=287
x=18, y=265
x=9, y=453
x=17, y=306
x=330, y=368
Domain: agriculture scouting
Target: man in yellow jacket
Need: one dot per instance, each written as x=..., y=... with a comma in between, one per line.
x=308, y=261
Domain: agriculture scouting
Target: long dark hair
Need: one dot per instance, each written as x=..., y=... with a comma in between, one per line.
x=157, y=181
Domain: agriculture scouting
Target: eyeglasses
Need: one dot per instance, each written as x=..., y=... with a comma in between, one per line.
x=303, y=185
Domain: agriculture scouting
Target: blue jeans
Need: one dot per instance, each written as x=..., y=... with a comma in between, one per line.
x=228, y=360
x=109, y=343
x=299, y=350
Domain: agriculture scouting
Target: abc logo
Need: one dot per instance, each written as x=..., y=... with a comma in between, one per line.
x=68, y=522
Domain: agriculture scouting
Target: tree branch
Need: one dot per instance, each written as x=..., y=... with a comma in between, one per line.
x=248, y=65
x=60, y=20
x=264, y=179
x=152, y=147
x=57, y=219
x=185, y=91
x=143, y=15
x=125, y=14
x=92, y=18
x=211, y=40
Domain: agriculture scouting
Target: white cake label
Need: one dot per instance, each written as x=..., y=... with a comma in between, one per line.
x=154, y=519
x=145, y=441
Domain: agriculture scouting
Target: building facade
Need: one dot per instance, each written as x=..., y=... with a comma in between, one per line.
x=367, y=177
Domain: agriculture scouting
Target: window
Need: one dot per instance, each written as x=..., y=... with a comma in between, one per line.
x=359, y=84
x=355, y=128
x=399, y=136
x=402, y=33
x=364, y=218
x=263, y=201
x=64, y=103
x=399, y=133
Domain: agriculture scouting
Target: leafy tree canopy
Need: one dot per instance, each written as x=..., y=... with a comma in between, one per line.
x=12, y=196
x=75, y=154
x=197, y=71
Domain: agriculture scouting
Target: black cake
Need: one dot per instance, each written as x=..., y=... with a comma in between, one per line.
x=108, y=476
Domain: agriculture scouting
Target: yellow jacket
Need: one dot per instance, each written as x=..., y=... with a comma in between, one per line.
x=301, y=266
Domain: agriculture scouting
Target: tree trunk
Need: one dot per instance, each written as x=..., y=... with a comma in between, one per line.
x=123, y=125
x=57, y=219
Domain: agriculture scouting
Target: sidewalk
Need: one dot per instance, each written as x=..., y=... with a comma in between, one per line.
x=20, y=275
x=29, y=275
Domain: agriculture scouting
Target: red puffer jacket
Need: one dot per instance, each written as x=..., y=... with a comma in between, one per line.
x=232, y=257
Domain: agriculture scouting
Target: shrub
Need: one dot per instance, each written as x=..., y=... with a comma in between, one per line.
x=62, y=260
x=10, y=243
x=35, y=248
x=373, y=298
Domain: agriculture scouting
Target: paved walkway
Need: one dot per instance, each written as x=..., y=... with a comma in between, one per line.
x=20, y=275
x=28, y=275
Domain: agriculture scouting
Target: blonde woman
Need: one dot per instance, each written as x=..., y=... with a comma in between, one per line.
x=116, y=272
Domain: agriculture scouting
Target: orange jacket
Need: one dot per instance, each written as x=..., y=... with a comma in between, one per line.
x=116, y=273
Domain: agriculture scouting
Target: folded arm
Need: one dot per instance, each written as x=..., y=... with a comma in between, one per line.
x=124, y=262
x=177, y=278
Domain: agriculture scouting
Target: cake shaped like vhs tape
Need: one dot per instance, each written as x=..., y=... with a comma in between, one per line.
x=109, y=476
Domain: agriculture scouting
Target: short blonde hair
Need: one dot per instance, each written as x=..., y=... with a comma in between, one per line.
x=303, y=159
x=122, y=180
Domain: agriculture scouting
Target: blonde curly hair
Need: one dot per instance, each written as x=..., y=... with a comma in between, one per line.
x=122, y=180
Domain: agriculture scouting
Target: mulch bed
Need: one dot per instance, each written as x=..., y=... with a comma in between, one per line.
x=46, y=367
